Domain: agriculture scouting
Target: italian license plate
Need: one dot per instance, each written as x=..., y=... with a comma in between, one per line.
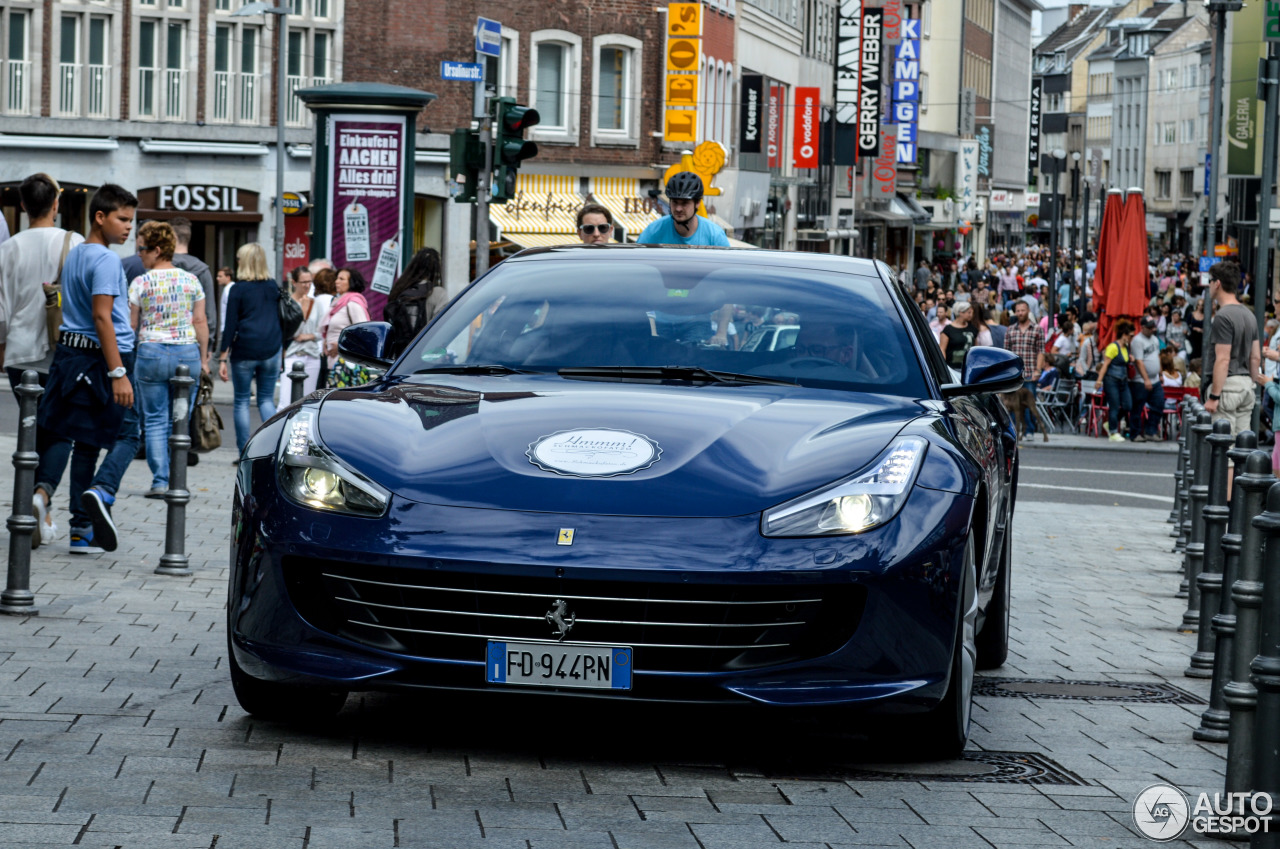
x=559, y=665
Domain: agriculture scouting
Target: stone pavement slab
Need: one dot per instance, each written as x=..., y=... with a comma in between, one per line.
x=118, y=726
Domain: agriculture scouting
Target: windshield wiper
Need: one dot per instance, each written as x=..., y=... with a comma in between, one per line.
x=474, y=368
x=671, y=373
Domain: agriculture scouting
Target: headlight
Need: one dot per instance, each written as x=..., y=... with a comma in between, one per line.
x=870, y=498
x=312, y=475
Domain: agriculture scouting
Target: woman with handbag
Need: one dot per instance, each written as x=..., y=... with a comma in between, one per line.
x=168, y=311
x=304, y=347
x=349, y=308
x=251, y=339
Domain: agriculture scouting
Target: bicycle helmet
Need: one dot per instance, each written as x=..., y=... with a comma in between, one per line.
x=684, y=185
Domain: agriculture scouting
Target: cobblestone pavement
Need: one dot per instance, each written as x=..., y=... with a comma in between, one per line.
x=118, y=727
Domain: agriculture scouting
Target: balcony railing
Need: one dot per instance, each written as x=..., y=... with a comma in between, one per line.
x=98, y=82
x=249, y=98
x=222, y=95
x=296, y=114
x=161, y=93
x=17, y=86
x=174, y=84
x=68, y=88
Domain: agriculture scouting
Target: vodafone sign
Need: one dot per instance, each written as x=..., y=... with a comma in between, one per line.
x=805, y=144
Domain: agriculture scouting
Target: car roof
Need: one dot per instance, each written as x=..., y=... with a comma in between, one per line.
x=779, y=259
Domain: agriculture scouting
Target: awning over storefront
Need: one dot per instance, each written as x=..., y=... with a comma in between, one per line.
x=906, y=205
x=543, y=203
x=541, y=240
x=621, y=196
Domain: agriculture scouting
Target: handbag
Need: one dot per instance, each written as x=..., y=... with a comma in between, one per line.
x=206, y=424
x=290, y=315
x=53, y=298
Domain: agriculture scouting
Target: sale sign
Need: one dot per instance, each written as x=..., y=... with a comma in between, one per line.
x=367, y=174
x=804, y=145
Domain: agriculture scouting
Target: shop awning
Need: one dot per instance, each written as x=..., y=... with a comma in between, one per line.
x=621, y=196
x=540, y=240
x=897, y=219
x=543, y=203
x=906, y=205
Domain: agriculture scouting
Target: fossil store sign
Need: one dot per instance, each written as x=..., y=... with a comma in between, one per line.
x=200, y=201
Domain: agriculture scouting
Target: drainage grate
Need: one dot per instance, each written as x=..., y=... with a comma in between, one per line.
x=972, y=767
x=1093, y=691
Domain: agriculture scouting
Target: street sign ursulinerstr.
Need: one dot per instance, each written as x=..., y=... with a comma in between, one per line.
x=467, y=72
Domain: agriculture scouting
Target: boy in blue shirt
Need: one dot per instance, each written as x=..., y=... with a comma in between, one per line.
x=683, y=226
x=89, y=399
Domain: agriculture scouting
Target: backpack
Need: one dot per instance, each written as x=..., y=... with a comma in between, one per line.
x=408, y=314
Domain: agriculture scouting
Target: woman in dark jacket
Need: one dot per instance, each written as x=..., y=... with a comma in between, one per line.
x=251, y=338
x=415, y=299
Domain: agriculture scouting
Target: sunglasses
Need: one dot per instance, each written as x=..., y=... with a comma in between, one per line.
x=142, y=249
x=596, y=228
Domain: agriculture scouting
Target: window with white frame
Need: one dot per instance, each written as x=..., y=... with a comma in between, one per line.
x=1053, y=101
x=1187, y=183
x=1190, y=76
x=554, y=87
x=83, y=70
x=1164, y=184
x=1170, y=132
x=1188, y=134
x=502, y=72
x=615, y=90
x=15, y=36
x=1171, y=79
x=310, y=50
x=161, y=80
x=237, y=90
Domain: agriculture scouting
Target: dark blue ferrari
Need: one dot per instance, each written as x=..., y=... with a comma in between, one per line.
x=640, y=474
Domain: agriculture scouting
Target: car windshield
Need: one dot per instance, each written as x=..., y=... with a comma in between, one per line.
x=815, y=328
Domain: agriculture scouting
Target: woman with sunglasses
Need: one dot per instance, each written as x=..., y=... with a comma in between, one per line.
x=168, y=310
x=595, y=224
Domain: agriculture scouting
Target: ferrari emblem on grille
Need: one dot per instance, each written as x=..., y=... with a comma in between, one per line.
x=560, y=617
x=566, y=537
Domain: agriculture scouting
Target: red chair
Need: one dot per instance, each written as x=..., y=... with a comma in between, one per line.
x=1172, y=424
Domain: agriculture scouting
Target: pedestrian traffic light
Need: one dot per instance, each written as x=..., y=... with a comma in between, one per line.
x=510, y=120
x=466, y=161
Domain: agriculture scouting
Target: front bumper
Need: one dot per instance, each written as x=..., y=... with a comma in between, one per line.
x=408, y=601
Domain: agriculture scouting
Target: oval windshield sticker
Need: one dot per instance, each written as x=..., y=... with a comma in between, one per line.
x=594, y=453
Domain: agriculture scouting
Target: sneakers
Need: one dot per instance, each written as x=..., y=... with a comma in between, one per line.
x=1140, y=438
x=82, y=543
x=1115, y=437
x=1106, y=428
x=46, y=529
x=97, y=502
x=157, y=492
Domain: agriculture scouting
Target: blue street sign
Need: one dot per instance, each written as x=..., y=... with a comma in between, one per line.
x=488, y=37
x=1207, y=262
x=467, y=72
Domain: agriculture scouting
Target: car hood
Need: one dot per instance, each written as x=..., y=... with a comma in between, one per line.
x=535, y=443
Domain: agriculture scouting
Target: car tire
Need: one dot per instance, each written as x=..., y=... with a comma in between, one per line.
x=283, y=702
x=941, y=734
x=993, y=639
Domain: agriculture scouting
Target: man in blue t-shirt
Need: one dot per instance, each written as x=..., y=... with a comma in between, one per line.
x=683, y=226
x=89, y=403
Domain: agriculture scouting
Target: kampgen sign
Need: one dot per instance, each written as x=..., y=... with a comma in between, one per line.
x=869, y=84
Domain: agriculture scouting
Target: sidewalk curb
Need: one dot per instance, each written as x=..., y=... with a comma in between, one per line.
x=1102, y=445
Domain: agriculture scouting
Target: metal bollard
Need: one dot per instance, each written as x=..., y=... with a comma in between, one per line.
x=17, y=597
x=1246, y=502
x=1175, y=515
x=1238, y=694
x=1266, y=674
x=1209, y=580
x=1184, y=511
x=297, y=376
x=174, y=561
x=1198, y=498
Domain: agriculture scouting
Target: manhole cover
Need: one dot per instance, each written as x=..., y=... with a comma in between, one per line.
x=1099, y=691
x=975, y=767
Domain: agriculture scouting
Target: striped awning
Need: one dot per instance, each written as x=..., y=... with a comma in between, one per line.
x=621, y=196
x=543, y=203
x=541, y=240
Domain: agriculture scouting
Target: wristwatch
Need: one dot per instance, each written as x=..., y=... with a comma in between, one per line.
x=1213, y=397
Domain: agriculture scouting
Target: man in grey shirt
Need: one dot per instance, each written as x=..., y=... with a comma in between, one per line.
x=185, y=261
x=923, y=275
x=1146, y=386
x=1232, y=356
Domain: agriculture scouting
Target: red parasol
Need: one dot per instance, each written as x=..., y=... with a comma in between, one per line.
x=1129, y=292
x=1108, y=261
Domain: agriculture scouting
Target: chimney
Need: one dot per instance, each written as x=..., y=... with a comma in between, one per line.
x=1074, y=10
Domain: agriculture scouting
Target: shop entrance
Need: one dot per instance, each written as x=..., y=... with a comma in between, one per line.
x=222, y=217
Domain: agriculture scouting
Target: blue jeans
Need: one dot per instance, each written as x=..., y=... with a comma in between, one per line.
x=53, y=460
x=156, y=364
x=243, y=374
x=1154, y=399
x=1118, y=399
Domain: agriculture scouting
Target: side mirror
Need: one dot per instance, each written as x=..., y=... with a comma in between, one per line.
x=366, y=344
x=987, y=370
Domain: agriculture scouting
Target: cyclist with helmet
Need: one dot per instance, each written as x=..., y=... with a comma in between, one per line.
x=683, y=226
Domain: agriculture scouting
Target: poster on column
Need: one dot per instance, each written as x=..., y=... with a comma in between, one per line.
x=367, y=175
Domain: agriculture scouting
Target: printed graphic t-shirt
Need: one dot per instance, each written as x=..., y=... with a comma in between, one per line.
x=165, y=299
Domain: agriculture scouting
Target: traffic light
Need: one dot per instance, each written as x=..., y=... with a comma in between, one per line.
x=466, y=161
x=510, y=120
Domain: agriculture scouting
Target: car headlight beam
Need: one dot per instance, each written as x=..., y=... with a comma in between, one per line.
x=852, y=506
x=312, y=475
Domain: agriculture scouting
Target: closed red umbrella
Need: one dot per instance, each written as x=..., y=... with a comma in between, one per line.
x=1108, y=262
x=1129, y=292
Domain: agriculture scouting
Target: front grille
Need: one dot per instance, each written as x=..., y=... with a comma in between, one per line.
x=673, y=626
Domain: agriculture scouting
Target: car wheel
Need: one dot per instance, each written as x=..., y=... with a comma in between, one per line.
x=993, y=639
x=283, y=702
x=941, y=733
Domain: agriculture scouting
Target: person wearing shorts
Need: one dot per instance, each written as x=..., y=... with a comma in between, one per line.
x=1232, y=356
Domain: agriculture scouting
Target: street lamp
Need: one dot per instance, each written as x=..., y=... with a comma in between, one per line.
x=1075, y=220
x=1059, y=157
x=259, y=8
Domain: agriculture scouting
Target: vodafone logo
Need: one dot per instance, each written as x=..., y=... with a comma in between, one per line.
x=805, y=142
